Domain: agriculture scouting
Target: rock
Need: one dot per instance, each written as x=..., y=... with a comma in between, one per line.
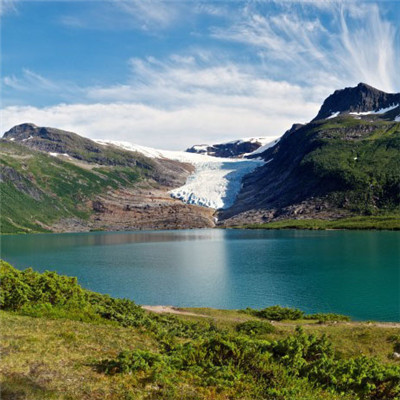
x=98, y=206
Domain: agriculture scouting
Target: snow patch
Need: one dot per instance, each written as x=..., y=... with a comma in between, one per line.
x=397, y=119
x=334, y=115
x=380, y=111
x=264, y=147
x=60, y=154
x=215, y=182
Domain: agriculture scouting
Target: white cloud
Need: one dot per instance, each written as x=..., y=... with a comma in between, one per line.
x=361, y=46
x=178, y=102
x=206, y=96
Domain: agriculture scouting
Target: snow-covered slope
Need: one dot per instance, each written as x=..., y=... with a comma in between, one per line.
x=264, y=147
x=215, y=182
x=233, y=149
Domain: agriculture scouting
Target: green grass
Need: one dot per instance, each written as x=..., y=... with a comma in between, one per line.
x=389, y=222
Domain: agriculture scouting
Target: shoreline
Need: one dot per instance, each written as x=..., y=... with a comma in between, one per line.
x=190, y=311
x=354, y=224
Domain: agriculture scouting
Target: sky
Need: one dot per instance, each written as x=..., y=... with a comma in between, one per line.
x=174, y=73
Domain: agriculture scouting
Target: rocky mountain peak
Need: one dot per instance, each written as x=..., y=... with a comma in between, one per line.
x=361, y=98
x=21, y=131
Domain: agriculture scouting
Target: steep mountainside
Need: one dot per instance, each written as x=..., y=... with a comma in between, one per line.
x=53, y=180
x=342, y=165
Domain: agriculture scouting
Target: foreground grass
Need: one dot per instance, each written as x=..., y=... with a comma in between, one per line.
x=391, y=222
x=46, y=358
x=54, y=359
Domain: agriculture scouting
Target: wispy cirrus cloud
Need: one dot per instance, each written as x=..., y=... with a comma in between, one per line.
x=352, y=43
x=29, y=80
x=7, y=6
x=150, y=14
x=31, y=83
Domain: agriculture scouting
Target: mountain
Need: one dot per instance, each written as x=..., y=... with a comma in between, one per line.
x=236, y=148
x=335, y=166
x=53, y=180
x=360, y=99
x=345, y=162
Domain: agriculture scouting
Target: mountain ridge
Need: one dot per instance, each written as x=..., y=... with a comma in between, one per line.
x=342, y=165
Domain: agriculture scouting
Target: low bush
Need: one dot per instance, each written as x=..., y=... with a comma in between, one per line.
x=227, y=361
x=255, y=328
x=276, y=313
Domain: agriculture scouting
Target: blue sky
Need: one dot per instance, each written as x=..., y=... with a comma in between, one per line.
x=170, y=74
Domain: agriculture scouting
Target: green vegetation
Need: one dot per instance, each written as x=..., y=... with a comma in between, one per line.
x=38, y=189
x=87, y=345
x=277, y=313
x=389, y=222
x=359, y=157
x=325, y=317
x=255, y=328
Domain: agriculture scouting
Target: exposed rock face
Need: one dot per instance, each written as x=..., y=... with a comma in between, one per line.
x=21, y=183
x=361, y=98
x=234, y=149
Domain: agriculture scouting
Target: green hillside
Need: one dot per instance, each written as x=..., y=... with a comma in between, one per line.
x=38, y=189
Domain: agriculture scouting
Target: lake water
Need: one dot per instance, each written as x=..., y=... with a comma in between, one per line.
x=348, y=272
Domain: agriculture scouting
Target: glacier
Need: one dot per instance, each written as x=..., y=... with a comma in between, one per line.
x=215, y=182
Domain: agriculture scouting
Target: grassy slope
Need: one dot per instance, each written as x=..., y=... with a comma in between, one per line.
x=363, y=157
x=63, y=187
x=48, y=353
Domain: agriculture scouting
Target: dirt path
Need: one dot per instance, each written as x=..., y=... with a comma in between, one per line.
x=172, y=310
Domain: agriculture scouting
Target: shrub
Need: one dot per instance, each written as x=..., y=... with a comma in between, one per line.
x=255, y=328
x=132, y=361
x=278, y=313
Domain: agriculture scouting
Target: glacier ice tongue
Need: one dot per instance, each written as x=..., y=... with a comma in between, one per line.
x=216, y=181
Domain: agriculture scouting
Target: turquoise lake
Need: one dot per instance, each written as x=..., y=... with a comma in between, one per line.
x=349, y=272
